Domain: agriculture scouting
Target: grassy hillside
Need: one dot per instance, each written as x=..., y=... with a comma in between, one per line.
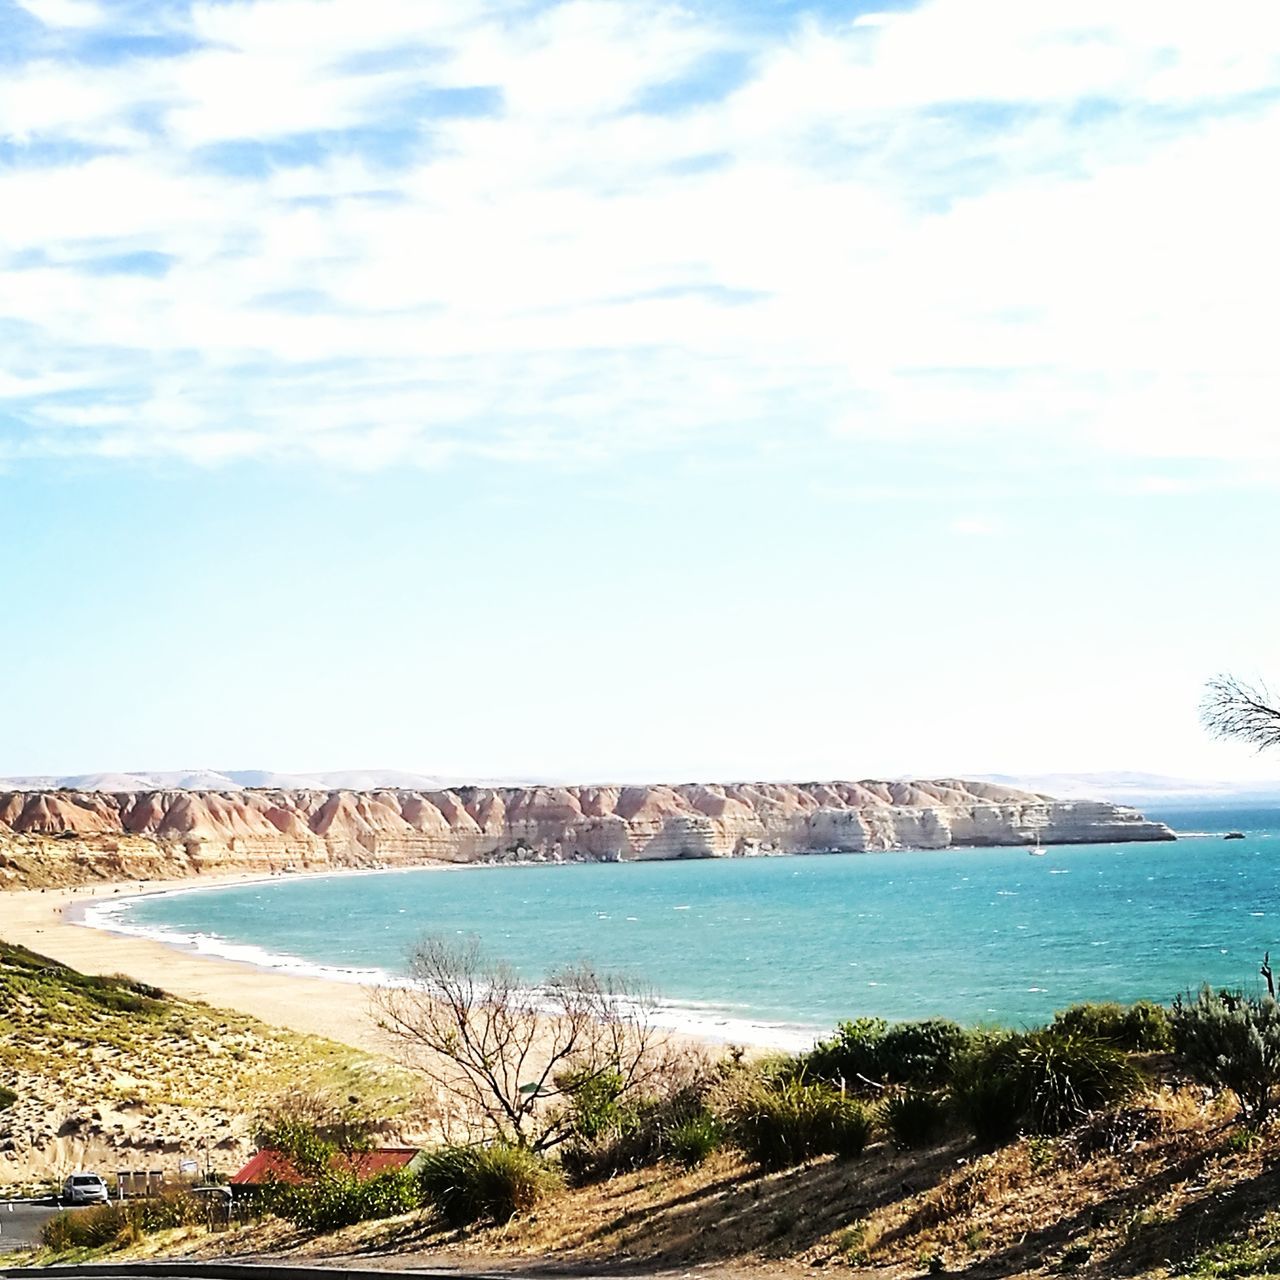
x=1157, y=1176
x=1188, y=1198
x=108, y=1073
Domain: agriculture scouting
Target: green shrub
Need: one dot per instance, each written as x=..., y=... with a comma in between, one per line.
x=116, y=993
x=338, y=1199
x=300, y=1143
x=1148, y=1028
x=314, y=1132
x=678, y=1126
x=595, y=1105
x=987, y=1094
x=107, y=1224
x=693, y=1140
x=85, y=1229
x=851, y=1055
x=161, y=1213
x=914, y=1119
x=1232, y=1042
x=1064, y=1077
x=922, y=1054
x=850, y=1129
x=310, y=1128
x=55, y=1232
x=7, y=1098
x=1044, y=1081
x=448, y=1179
x=511, y=1180
x=785, y=1124
x=1142, y=1027
x=467, y=1184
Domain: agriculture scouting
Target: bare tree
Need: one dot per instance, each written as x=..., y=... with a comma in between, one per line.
x=512, y=1055
x=1248, y=713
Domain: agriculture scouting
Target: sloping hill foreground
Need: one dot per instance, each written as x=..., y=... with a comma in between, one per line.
x=111, y=1074
x=1190, y=1198
x=1166, y=1179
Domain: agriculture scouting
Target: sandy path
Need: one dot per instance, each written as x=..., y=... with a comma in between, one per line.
x=40, y=920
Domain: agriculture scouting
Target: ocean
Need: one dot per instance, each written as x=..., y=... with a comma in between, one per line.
x=777, y=950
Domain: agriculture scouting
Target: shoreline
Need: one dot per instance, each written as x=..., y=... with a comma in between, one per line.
x=683, y=1021
x=50, y=922
x=281, y=991
x=72, y=924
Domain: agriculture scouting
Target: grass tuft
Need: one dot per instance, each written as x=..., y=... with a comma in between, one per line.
x=469, y=1184
x=914, y=1119
x=785, y=1124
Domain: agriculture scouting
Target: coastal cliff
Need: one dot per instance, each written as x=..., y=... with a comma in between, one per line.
x=70, y=837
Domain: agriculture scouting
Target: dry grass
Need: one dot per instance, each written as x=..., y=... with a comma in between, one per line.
x=1134, y=1192
x=1154, y=1185
x=108, y=1071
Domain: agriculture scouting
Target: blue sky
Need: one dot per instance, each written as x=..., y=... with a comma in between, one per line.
x=628, y=390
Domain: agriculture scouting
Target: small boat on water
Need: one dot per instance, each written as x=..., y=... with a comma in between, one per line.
x=1234, y=835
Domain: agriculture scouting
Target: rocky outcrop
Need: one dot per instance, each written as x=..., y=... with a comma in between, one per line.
x=63, y=837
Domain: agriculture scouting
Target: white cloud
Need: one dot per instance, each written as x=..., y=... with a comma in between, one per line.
x=1011, y=52
x=844, y=244
x=584, y=56
x=47, y=99
x=331, y=29
x=65, y=13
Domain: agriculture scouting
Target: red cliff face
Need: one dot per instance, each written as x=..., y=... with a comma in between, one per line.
x=65, y=836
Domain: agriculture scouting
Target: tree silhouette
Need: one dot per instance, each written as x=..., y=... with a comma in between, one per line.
x=1243, y=712
x=510, y=1055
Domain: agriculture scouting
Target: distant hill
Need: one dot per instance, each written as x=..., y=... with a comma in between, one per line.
x=1141, y=788
x=1120, y=788
x=240, y=779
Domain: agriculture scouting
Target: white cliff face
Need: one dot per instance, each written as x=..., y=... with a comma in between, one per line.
x=59, y=837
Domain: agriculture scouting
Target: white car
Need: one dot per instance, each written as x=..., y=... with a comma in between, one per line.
x=85, y=1188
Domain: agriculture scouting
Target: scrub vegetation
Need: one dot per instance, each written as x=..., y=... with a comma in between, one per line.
x=93, y=1065
x=1117, y=1140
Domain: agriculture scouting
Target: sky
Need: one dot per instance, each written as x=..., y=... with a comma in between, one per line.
x=616, y=390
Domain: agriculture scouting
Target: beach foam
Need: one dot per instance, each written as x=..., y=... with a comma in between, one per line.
x=698, y=1020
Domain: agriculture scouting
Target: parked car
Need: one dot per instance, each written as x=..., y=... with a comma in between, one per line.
x=85, y=1188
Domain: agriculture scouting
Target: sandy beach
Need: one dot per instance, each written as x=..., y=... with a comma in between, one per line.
x=47, y=921
x=43, y=920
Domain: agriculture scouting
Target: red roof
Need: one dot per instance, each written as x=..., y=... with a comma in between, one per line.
x=269, y=1165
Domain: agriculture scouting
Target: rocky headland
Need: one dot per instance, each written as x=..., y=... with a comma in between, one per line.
x=74, y=837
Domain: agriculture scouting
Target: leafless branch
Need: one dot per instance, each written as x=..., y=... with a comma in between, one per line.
x=507, y=1053
x=1246, y=713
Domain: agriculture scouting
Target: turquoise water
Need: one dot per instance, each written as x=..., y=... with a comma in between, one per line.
x=761, y=948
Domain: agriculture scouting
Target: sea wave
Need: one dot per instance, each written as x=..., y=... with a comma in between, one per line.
x=697, y=1019
x=107, y=917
